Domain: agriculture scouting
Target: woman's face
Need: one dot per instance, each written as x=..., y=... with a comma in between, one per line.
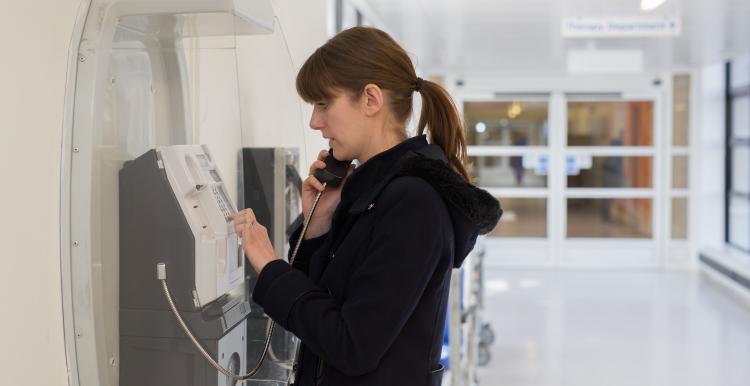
x=342, y=122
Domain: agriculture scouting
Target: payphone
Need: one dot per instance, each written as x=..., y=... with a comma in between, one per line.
x=196, y=324
x=174, y=211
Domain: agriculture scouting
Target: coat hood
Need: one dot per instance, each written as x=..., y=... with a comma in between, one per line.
x=473, y=211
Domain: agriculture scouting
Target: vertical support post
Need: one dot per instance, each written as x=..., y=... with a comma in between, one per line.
x=454, y=300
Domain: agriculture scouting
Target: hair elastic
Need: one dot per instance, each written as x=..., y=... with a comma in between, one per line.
x=418, y=84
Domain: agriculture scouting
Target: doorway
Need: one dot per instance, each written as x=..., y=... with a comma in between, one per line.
x=578, y=175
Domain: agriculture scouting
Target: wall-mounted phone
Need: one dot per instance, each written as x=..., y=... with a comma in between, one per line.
x=174, y=209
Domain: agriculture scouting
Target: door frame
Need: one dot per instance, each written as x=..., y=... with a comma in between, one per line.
x=558, y=251
x=606, y=252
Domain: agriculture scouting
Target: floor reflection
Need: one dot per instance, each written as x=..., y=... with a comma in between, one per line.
x=578, y=328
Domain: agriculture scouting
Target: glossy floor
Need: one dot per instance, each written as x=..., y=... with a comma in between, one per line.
x=580, y=328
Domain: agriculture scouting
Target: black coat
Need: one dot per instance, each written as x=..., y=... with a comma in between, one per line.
x=368, y=299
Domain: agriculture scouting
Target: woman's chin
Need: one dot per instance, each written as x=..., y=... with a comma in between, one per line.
x=338, y=152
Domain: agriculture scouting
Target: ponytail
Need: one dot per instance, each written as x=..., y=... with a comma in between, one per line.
x=439, y=114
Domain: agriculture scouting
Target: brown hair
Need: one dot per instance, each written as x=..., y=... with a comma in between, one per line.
x=359, y=56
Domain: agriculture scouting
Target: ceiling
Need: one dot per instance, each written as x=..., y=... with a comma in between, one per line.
x=524, y=36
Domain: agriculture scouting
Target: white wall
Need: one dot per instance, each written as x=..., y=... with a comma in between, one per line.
x=711, y=131
x=272, y=112
x=34, y=36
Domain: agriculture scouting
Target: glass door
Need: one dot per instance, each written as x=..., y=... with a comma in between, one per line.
x=509, y=153
x=576, y=174
x=610, y=195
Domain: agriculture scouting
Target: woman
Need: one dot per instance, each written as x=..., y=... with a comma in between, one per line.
x=368, y=291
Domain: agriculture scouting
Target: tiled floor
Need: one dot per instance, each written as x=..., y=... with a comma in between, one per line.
x=612, y=328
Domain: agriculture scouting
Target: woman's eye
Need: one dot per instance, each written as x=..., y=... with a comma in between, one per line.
x=322, y=105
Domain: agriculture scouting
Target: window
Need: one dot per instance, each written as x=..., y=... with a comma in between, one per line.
x=737, y=198
x=680, y=157
x=508, y=147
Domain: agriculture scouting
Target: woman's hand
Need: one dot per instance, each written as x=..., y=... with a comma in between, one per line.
x=320, y=223
x=255, y=242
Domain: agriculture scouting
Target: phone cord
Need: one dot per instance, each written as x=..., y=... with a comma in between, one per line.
x=161, y=274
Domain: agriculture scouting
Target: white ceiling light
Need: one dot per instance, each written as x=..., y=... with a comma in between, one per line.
x=650, y=5
x=480, y=127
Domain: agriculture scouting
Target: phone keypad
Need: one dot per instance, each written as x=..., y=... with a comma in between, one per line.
x=223, y=206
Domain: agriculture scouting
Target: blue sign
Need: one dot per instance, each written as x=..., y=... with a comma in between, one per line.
x=571, y=166
x=542, y=165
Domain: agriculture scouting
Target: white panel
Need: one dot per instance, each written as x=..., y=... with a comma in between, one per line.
x=504, y=252
x=517, y=192
x=605, y=61
x=480, y=151
x=740, y=169
x=739, y=222
x=230, y=344
x=256, y=11
x=741, y=71
x=678, y=254
x=37, y=33
x=608, y=193
x=272, y=112
x=619, y=253
x=632, y=151
x=741, y=117
x=217, y=120
x=710, y=221
x=206, y=211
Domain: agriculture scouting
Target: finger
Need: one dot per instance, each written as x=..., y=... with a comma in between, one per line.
x=312, y=181
x=249, y=216
x=317, y=165
x=238, y=217
x=323, y=154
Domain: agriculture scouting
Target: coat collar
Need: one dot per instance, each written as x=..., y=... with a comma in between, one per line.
x=473, y=211
x=364, y=185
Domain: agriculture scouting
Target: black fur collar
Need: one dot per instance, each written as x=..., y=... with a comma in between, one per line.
x=477, y=205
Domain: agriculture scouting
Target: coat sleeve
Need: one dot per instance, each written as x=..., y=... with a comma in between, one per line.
x=306, y=250
x=401, y=257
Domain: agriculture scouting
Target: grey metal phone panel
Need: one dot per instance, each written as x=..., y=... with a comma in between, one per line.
x=266, y=178
x=165, y=362
x=264, y=190
x=162, y=324
x=258, y=194
x=258, y=187
x=153, y=229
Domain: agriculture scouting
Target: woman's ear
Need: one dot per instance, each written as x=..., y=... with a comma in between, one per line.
x=373, y=99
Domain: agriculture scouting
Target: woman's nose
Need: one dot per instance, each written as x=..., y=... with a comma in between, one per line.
x=317, y=121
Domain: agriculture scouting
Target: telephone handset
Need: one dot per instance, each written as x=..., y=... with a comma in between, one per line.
x=334, y=172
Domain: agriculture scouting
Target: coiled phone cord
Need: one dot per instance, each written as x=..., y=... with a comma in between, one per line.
x=161, y=274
